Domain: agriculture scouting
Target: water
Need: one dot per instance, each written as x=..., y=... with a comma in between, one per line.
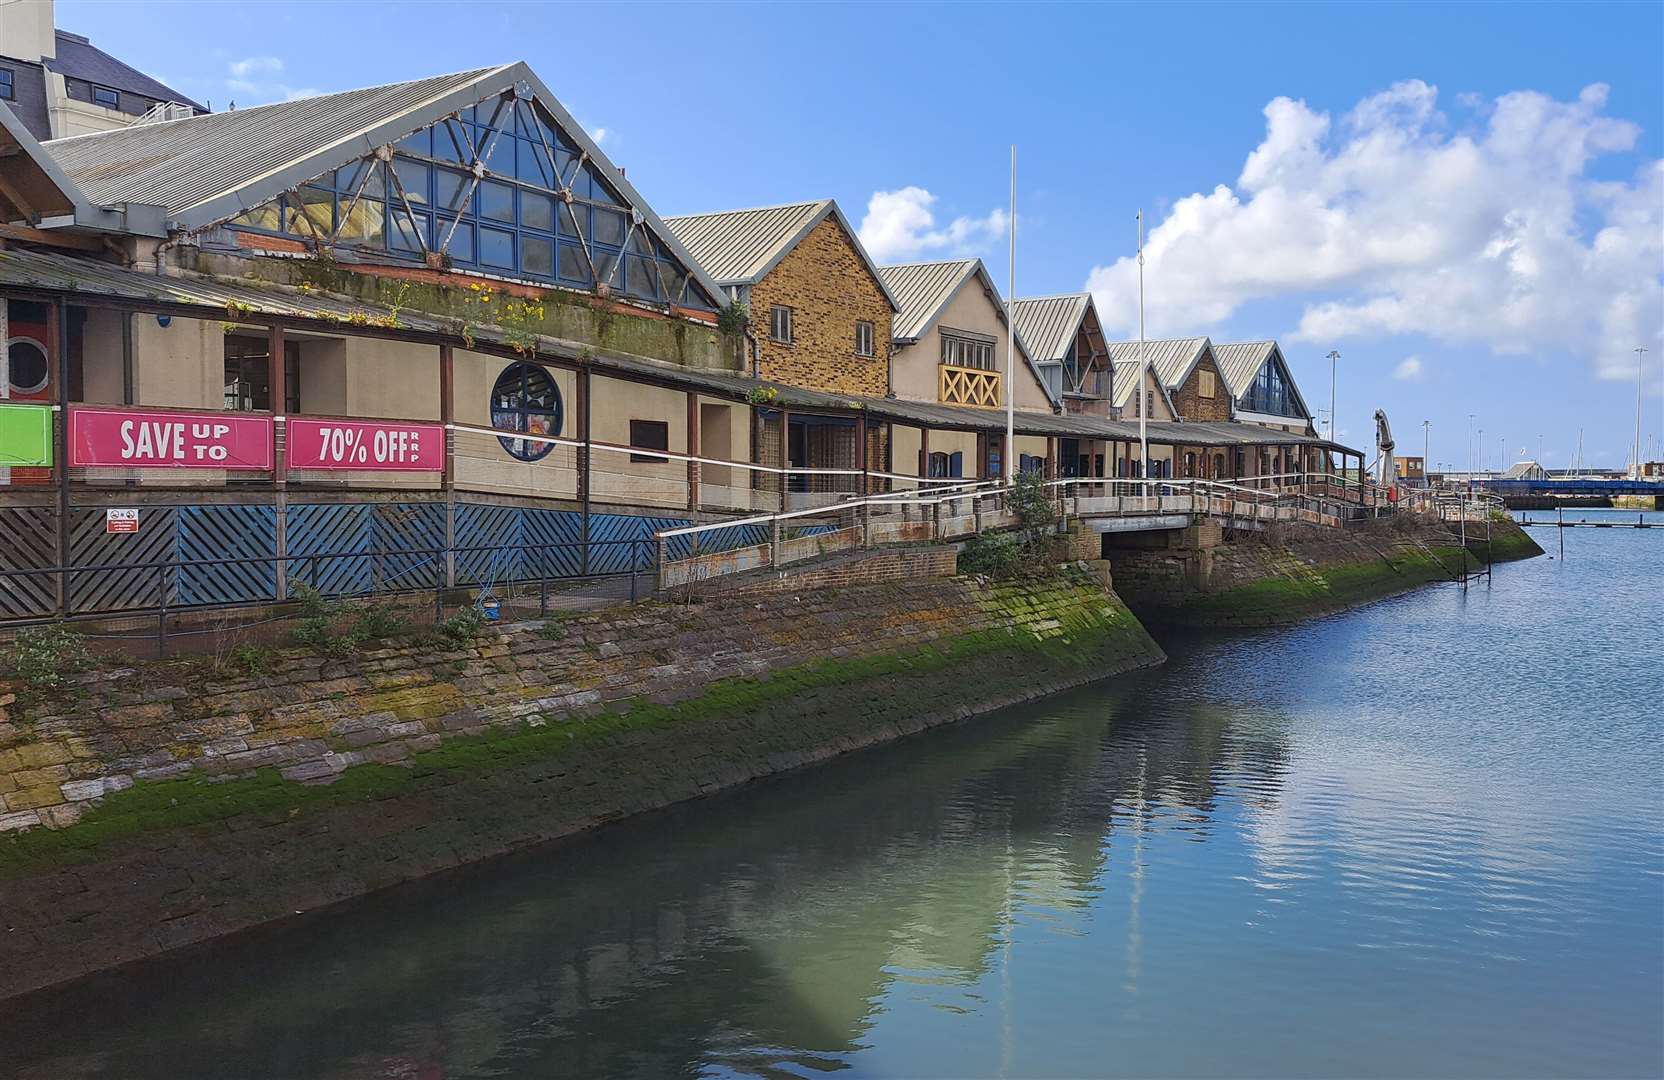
x=1425, y=838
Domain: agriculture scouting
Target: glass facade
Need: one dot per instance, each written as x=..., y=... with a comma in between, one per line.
x=1272, y=392
x=497, y=188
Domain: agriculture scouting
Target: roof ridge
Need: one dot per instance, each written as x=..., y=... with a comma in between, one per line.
x=1054, y=296
x=479, y=72
x=747, y=209
x=930, y=262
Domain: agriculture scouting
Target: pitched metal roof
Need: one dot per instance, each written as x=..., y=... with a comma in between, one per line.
x=187, y=163
x=922, y=290
x=740, y=247
x=1124, y=384
x=34, y=185
x=207, y=169
x=53, y=273
x=1049, y=323
x=926, y=289
x=1240, y=361
x=1172, y=358
x=79, y=58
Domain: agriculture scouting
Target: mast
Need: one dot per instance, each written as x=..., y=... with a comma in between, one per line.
x=1143, y=365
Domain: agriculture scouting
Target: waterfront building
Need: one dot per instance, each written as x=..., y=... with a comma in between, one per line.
x=1412, y=470
x=1070, y=349
x=428, y=334
x=949, y=342
x=1525, y=470
x=1262, y=388
x=60, y=84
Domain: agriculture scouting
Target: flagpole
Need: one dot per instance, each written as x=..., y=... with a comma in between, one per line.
x=1143, y=364
x=1011, y=337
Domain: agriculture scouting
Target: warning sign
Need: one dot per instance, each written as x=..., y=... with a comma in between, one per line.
x=121, y=521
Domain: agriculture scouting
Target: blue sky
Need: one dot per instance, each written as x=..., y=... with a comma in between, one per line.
x=1465, y=200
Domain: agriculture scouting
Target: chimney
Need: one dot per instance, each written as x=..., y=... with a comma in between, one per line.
x=26, y=30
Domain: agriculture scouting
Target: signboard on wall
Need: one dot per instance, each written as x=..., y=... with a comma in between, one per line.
x=121, y=520
x=381, y=445
x=152, y=439
x=25, y=435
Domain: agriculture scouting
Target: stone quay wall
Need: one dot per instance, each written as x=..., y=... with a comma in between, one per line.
x=1295, y=572
x=152, y=807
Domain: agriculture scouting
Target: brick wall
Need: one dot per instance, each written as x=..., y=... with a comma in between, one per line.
x=861, y=568
x=1188, y=399
x=828, y=287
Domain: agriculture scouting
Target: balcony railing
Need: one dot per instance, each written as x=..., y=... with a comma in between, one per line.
x=968, y=386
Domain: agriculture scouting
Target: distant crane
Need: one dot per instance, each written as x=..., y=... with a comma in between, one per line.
x=1384, y=444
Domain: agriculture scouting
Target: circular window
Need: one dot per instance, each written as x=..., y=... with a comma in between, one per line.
x=28, y=365
x=526, y=399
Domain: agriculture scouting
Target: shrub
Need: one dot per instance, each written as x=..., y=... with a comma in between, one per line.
x=463, y=627
x=45, y=656
x=1034, y=504
x=996, y=555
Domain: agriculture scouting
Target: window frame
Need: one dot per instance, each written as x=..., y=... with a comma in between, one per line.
x=963, y=349
x=522, y=413
x=110, y=90
x=661, y=428
x=866, y=328
x=8, y=84
x=775, y=312
x=254, y=365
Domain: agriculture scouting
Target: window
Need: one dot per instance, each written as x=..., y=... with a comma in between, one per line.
x=526, y=399
x=27, y=367
x=947, y=466
x=780, y=323
x=536, y=212
x=863, y=338
x=103, y=95
x=7, y=89
x=963, y=350
x=1030, y=463
x=1205, y=384
x=248, y=381
x=649, y=435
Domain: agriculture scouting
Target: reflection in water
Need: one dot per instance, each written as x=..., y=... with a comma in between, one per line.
x=1403, y=840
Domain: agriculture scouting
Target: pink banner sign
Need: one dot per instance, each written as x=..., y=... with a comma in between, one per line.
x=381, y=445
x=141, y=439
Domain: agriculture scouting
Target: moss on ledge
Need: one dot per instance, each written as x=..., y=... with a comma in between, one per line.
x=1067, y=631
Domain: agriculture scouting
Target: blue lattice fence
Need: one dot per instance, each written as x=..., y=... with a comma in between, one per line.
x=226, y=532
x=333, y=532
x=414, y=528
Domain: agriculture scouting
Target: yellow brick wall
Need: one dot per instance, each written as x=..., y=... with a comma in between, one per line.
x=828, y=287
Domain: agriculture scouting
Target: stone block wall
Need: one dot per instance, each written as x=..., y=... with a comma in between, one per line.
x=164, y=804
x=1190, y=403
x=828, y=287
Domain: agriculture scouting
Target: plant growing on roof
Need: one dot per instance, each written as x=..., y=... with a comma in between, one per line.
x=762, y=395
x=734, y=318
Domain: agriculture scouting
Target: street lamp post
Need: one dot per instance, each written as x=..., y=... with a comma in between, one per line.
x=1640, y=361
x=1334, y=355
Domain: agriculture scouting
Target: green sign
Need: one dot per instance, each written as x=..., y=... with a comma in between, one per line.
x=25, y=434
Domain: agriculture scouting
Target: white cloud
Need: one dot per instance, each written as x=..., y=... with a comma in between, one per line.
x=246, y=79
x=901, y=225
x=1391, y=222
x=1408, y=369
x=255, y=65
x=599, y=135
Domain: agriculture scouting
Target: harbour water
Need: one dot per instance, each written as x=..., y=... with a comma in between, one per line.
x=1423, y=838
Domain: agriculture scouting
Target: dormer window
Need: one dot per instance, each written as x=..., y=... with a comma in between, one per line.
x=103, y=95
x=8, y=90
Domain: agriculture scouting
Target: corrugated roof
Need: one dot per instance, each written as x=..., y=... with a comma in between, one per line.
x=1049, y=323
x=1172, y=358
x=62, y=274
x=1240, y=361
x=207, y=169
x=739, y=246
x=922, y=290
x=184, y=163
x=1124, y=384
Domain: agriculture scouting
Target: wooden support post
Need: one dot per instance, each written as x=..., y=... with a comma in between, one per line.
x=866, y=489
x=277, y=384
x=57, y=355
x=447, y=476
x=924, y=456
x=584, y=457
x=1051, y=457
x=693, y=452
x=785, y=457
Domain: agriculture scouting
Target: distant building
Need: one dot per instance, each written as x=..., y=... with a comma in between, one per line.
x=1652, y=470
x=1525, y=470
x=59, y=84
x=1413, y=469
